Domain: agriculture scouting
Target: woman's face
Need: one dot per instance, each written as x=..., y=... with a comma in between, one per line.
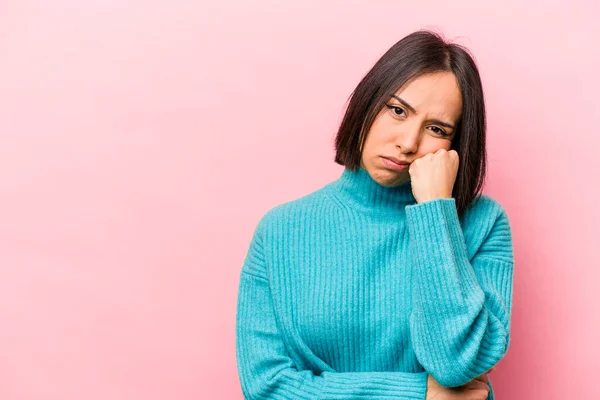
x=420, y=119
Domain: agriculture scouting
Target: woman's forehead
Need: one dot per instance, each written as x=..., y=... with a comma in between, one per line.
x=437, y=94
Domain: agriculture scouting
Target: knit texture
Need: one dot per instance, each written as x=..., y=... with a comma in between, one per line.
x=356, y=291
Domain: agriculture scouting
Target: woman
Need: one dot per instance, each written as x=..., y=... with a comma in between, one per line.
x=395, y=280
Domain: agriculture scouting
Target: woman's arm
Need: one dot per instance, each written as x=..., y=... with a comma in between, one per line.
x=265, y=368
x=460, y=322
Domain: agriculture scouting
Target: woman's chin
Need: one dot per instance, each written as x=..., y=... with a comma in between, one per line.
x=392, y=178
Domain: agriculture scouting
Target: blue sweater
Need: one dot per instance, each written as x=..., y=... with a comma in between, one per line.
x=356, y=291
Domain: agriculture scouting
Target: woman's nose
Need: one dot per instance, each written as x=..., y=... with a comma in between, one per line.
x=408, y=140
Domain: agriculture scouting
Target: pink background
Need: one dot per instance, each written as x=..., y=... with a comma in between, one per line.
x=140, y=142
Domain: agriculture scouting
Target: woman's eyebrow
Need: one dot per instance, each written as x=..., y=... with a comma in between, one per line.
x=411, y=108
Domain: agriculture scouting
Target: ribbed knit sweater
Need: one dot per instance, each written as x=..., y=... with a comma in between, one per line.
x=356, y=291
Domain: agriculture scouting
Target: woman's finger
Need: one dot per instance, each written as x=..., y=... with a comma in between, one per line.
x=476, y=384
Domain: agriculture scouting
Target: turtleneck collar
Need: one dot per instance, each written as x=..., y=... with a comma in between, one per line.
x=361, y=192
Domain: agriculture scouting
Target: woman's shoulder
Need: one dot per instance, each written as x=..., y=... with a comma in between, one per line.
x=301, y=209
x=485, y=207
x=486, y=228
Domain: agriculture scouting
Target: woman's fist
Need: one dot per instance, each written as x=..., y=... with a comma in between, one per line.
x=477, y=389
x=433, y=175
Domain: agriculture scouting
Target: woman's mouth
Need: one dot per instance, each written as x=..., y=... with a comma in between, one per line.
x=394, y=165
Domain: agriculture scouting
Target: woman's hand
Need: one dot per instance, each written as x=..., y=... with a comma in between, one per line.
x=477, y=389
x=433, y=175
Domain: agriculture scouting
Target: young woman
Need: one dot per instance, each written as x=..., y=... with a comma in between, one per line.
x=395, y=280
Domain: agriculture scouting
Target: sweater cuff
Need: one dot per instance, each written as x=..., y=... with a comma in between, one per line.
x=434, y=223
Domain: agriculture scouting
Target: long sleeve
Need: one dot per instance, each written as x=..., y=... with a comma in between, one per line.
x=266, y=370
x=460, y=322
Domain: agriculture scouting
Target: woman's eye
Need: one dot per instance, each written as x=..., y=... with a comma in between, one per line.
x=439, y=131
x=396, y=110
x=399, y=111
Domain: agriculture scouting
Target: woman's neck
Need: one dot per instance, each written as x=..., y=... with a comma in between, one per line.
x=360, y=191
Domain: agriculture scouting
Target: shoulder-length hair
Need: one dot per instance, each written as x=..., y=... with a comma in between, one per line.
x=420, y=53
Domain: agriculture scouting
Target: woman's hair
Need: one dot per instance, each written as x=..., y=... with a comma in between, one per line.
x=420, y=53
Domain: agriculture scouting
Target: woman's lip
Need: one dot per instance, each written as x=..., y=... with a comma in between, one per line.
x=391, y=164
